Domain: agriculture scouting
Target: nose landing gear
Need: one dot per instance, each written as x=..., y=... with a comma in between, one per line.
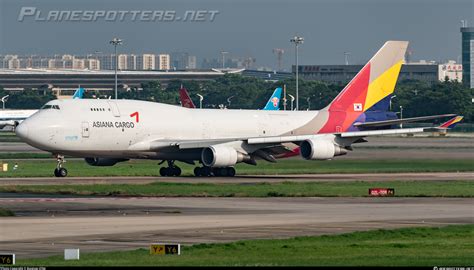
x=60, y=171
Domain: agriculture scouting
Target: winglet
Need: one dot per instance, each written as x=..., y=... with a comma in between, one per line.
x=451, y=123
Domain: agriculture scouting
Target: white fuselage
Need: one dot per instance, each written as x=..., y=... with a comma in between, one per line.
x=109, y=128
x=14, y=117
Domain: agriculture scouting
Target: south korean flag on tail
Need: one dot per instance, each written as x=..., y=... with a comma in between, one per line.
x=357, y=107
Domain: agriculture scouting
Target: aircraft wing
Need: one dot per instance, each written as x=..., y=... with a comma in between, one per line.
x=355, y=134
x=400, y=121
x=275, y=144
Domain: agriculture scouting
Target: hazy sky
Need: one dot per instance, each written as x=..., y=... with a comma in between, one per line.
x=247, y=28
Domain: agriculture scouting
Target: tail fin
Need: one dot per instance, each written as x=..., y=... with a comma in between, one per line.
x=273, y=103
x=185, y=99
x=79, y=93
x=371, y=88
x=452, y=122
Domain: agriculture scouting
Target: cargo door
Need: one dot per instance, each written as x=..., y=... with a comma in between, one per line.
x=114, y=108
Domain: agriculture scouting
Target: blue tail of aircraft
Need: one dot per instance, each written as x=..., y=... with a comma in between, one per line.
x=273, y=104
x=79, y=93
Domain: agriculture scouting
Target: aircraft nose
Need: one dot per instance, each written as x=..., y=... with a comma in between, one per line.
x=22, y=130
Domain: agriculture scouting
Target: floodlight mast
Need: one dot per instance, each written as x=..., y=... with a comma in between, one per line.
x=297, y=40
x=116, y=41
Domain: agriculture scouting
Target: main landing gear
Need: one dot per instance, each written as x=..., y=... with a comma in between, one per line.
x=60, y=171
x=171, y=170
x=208, y=171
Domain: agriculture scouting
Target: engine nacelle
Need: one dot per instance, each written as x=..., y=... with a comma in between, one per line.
x=315, y=149
x=104, y=161
x=221, y=156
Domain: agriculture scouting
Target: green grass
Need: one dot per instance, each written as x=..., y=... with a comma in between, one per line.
x=445, y=246
x=38, y=168
x=6, y=212
x=23, y=155
x=9, y=137
x=284, y=189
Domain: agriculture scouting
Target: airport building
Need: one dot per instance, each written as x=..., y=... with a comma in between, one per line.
x=96, y=61
x=342, y=74
x=272, y=76
x=19, y=79
x=467, y=48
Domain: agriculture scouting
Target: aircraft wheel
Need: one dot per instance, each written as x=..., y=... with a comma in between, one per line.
x=230, y=171
x=56, y=172
x=223, y=172
x=164, y=171
x=197, y=171
x=206, y=171
x=176, y=171
x=62, y=172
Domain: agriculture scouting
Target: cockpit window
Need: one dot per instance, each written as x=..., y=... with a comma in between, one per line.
x=47, y=107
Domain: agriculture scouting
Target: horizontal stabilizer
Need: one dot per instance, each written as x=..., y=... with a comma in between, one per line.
x=400, y=121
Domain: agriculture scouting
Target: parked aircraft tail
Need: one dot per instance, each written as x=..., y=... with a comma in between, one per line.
x=273, y=102
x=79, y=93
x=185, y=99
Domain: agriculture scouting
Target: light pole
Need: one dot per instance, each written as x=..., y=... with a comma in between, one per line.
x=401, y=116
x=292, y=99
x=201, y=98
x=346, y=57
x=394, y=96
x=297, y=40
x=4, y=100
x=115, y=42
x=223, y=58
x=229, y=98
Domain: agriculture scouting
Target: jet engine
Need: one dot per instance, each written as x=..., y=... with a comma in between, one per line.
x=104, y=161
x=315, y=149
x=221, y=156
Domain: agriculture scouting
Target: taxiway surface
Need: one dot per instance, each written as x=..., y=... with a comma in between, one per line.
x=45, y=226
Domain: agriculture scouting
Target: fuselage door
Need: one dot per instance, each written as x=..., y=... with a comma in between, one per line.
x=114, y=108
x=85, y=130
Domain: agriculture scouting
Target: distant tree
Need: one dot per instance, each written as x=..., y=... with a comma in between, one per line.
x=420, y=98
x=29, y=99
